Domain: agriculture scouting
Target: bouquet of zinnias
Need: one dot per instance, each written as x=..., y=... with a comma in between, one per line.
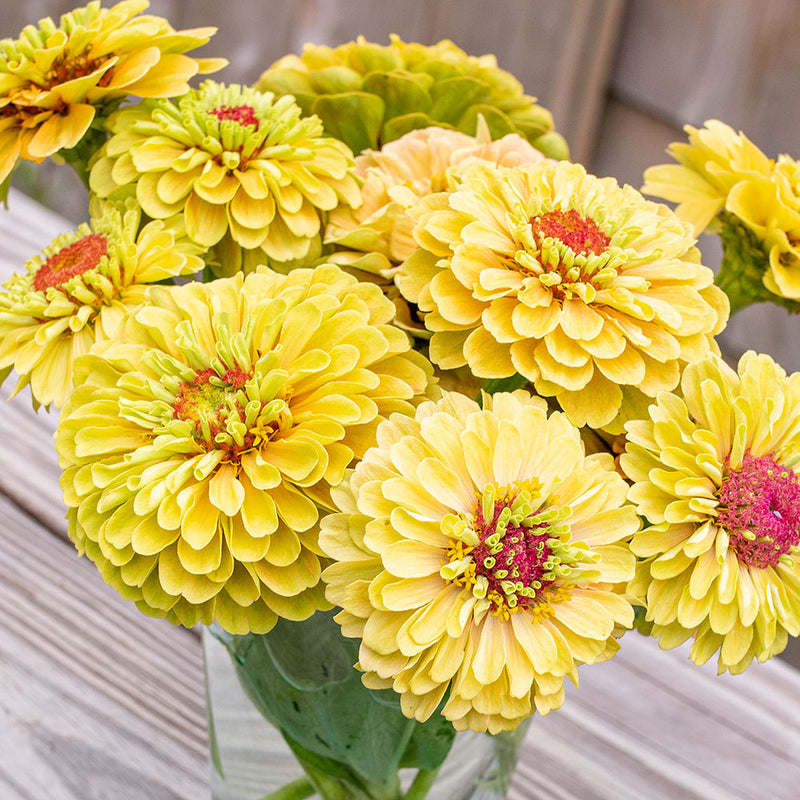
x=361, y=337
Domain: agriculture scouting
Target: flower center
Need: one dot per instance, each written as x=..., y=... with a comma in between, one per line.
x=243, y=115
x=67, y=69
x=759, y=507
x=514, y=552
x=223, y=415
x=571, y=256
x=72, y=260
x=580, y=234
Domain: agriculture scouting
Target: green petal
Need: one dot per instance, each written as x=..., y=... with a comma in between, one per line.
x=353, y=118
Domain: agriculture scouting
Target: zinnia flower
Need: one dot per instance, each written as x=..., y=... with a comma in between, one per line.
x=715, y=159
x=368, y=94
x=198, y=447
x=243, y=168
x=78, y=291
x=592, y=293
x=479, y=553
x=377, y=236
x=716, y=475
x=54, y=78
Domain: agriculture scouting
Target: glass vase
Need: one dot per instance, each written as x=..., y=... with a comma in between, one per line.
x=286, y=722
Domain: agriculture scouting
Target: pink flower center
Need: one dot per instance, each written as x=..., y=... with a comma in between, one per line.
x=243, y=115
x=512, y=553
x=580, y=234
x=69, y=261
x=759, y=507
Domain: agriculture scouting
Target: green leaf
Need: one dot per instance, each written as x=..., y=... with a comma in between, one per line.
x=429, y=744
x=400, y=92
x=311, y=655
x=510, y=384
x=4, y=187
x=300, y=677
x=354, y=118
x=452, y=97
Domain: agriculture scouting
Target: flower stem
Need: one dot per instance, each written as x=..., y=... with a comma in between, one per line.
x=421, y=784
x=296, y=790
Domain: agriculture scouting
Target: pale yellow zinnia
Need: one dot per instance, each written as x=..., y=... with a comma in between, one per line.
x=594, y=294
x=199, y=448
x=715, y=159
x=716, y=475
x=78, y=291
x=246, y=171
x=54, y=78
x=479, y=555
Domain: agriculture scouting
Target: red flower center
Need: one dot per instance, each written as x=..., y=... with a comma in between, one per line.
x=580, y=234
x=759, y=507
x=217, y=407
x=74, y=259
x=243, y=115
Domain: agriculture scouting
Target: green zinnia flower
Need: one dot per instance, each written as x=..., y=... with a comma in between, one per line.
x=368, y=94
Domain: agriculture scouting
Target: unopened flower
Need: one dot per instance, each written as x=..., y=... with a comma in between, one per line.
x=716, y=475
x=368, y=94
x=479, y=555
x=242, y=167
x=592, y=293
x=199, y=447
x=78, y=291
x=54, y=78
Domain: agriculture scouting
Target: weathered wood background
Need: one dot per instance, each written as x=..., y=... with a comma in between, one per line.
x=96, y=701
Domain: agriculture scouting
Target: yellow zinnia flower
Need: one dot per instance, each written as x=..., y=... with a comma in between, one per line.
x=198, y=447
x=716, y=476
x=79, y=290
x=592, y=293
x=55, y=77
x=479, y=555
x=710, y=165
x=246, y=170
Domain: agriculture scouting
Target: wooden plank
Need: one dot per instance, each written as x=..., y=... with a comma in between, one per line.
x=688, y=60
x=28, y=464
x=650, y=724
x=98, y=701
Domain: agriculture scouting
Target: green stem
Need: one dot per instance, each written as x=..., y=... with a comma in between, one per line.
x=296, y=790
x=421, y=784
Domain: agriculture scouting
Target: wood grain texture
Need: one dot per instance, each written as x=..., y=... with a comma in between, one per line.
x=28, y=464
x=97, y=701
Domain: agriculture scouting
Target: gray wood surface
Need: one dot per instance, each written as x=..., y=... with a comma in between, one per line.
x=98, y=702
